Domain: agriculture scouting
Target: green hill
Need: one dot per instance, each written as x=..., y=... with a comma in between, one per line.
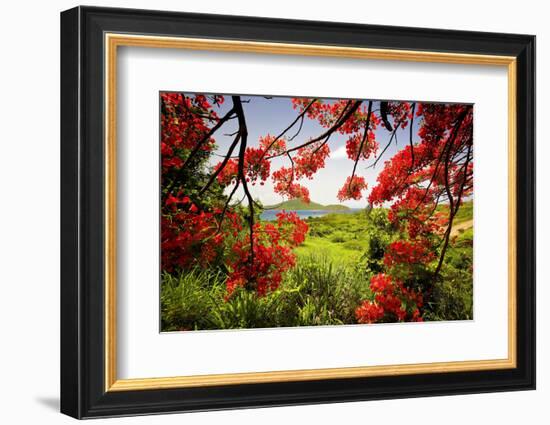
x=298, y=204
x=465, y=212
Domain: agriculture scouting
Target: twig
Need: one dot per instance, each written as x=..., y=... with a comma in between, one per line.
x=365, y=136
x=411, y=134
x=331, y=130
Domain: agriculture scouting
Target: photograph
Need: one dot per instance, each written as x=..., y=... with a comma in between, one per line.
x=282, y=210
x=292, y=211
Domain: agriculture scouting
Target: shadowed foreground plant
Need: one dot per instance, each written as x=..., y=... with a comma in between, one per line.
x=316, y=292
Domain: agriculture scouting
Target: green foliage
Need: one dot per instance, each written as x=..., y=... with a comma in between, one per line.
x=359, y=238
x=339, y=237
x=334, y=266
x=316, y=292
x=186, y=300
x=465, y=212
x=452, y=297
x=325, y=293
x=298, y=204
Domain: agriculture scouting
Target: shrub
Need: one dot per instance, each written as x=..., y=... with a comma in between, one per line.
x=339, y=237
x=354, y=245
x=452, y=297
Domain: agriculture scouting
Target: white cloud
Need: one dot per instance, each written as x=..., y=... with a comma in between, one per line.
x=339, y=153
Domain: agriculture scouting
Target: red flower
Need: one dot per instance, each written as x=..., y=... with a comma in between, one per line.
x=392, y=302
x=408, y=252
x=352, y=188
x=369, y=312
x=284, y=184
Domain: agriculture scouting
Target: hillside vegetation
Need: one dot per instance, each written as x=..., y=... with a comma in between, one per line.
x=298, y=204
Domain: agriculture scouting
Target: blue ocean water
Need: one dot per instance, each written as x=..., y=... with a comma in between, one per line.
x=270, y=215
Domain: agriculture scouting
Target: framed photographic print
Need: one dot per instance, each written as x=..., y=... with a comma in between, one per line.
x=261, y=212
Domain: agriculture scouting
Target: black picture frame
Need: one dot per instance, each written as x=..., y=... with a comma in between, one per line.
x=83, y=392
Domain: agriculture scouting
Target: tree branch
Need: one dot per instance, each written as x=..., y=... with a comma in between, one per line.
x=453, y=208
x=393, y=134
x=450, y=142
x=327, y=133
x=222, y=165
x=244, y=137
x=411, y=135
x=197, y=147
x=300, y=116
x=222, y=216
x=365, y=137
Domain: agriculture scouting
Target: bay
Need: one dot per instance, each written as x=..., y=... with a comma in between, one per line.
x=271, y=215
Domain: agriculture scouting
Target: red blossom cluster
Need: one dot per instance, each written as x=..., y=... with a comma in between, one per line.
x=310, y=159
x=324, y=112
x=292, y=228
x=260, y=265
x=189, y=236
x=392, y=302
x=256, y=167
x=401, y=113
x=370, y=146
x=408, y=252
x=227, y=174
x=352, y=188
x=328, y=114
x=255, y=164
x=184, y=126
x=414, y=212
x=369, y=312
x=271, y=145
x=284, y=184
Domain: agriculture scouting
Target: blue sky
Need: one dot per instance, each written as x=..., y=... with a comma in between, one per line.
x=271, y=116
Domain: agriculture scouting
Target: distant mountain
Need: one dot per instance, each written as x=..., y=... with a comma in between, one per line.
x=298, y=204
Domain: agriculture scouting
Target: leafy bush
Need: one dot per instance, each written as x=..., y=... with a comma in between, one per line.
x=452, y=295
x=318, y=229
x=339, y=237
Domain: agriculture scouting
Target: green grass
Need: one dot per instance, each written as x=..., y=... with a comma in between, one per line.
x=338, y=237
x=342, y=238
x=187, y=300
x=335, y=251
x=465, y=212
x=315, y=292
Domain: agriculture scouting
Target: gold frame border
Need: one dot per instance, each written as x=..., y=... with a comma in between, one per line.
x=113, y=41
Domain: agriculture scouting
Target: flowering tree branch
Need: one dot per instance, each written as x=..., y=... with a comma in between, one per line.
x=243, y=131
x=338, y=124
x=198, y=147
x=360, y=150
